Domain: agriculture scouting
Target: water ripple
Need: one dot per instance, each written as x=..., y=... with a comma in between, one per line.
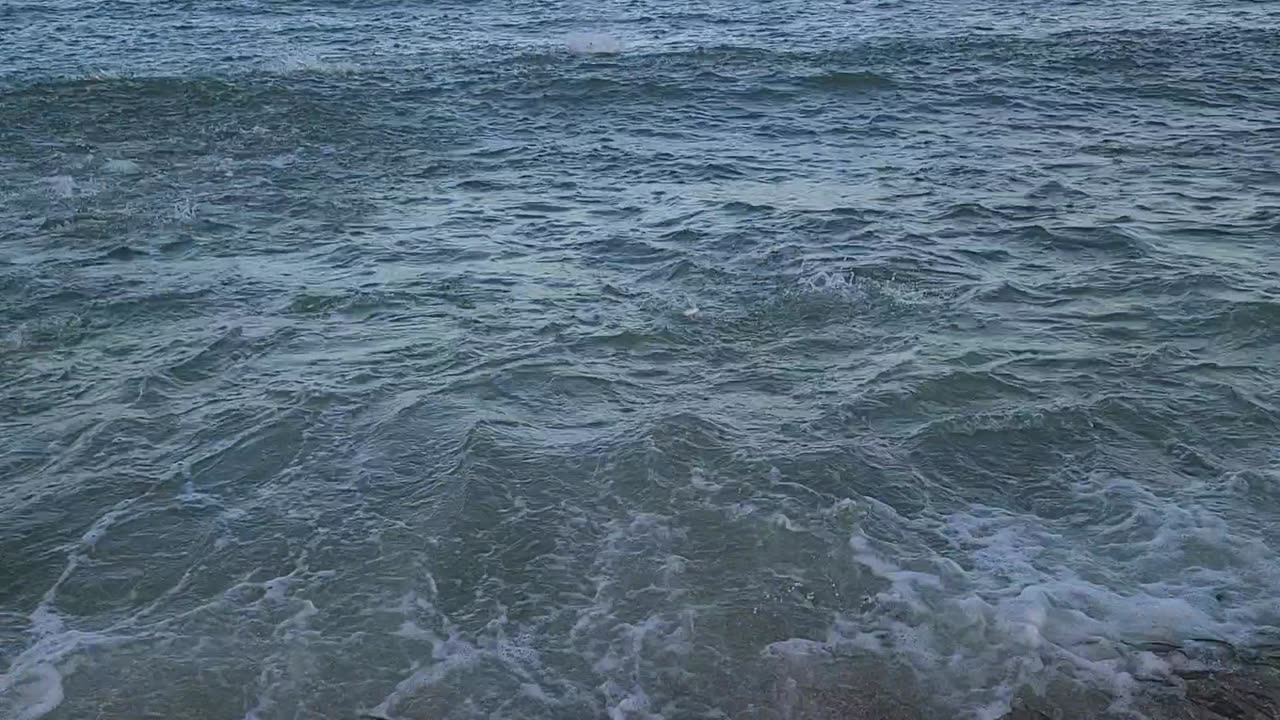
x=464, y=359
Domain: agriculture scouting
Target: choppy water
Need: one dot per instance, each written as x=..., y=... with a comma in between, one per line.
x=639, y=360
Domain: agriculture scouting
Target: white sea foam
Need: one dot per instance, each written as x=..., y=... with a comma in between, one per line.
x=33, y=694
x=1015, y=602
x=593, y=44
x=183, y=211
x=981, y=603
x=108, y=74
x=447, y=655
x=297, y=62
x=831, y=280
x=616, y=649
x=31, y=687
x=636, y=556
x=283, y=670
x=628, y=703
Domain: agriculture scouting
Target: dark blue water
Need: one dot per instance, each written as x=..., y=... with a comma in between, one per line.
x=635, y=359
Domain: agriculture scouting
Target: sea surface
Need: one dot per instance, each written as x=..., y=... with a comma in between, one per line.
x=634, y=359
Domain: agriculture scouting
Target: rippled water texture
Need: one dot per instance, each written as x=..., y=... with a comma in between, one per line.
x=634, y=359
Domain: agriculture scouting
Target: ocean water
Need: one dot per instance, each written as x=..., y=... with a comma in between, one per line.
x=634, y=360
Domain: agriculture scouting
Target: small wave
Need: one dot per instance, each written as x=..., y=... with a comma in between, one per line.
x=1054, y=190
x=1111, y=239
x=352, y=302
x=125, y=252
x=849, y=81
x=971, y=211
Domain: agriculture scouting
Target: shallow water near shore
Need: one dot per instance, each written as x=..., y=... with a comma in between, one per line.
x=635, y=360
